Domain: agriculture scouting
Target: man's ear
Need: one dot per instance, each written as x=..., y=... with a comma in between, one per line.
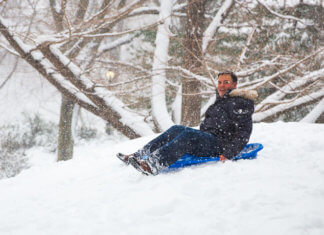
x=234, y=84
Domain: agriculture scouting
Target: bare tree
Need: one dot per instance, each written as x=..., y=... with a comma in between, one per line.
x=110, y=108
x=65, y=137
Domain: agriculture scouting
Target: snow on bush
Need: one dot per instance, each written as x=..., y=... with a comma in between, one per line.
x=16, y=138
x=33, y=131
x=12, y=155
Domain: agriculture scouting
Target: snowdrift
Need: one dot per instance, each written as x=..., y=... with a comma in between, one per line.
x=281, y=192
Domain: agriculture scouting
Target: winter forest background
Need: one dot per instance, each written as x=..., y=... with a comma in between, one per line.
x=72, y=71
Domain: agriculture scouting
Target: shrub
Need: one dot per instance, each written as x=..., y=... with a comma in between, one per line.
x=15, y=139
x=86, y=133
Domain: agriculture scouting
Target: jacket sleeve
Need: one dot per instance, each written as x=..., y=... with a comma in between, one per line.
x=240, y=110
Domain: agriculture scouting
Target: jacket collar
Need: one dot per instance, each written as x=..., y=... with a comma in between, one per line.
x=226, y=95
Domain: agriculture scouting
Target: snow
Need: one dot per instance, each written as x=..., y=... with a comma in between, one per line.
x=280, y=192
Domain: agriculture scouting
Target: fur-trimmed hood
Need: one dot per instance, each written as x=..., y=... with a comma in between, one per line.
x=247, y=94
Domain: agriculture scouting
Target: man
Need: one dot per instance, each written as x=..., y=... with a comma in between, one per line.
x=224, y=132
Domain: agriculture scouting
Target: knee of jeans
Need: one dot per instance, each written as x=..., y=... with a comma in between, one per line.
x=190, y=131
x=189, y=134
x=177, y=127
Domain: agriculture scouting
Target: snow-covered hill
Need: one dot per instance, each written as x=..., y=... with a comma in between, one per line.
x=280, y=192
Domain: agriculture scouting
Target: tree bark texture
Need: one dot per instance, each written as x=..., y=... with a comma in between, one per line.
x=65, y=142
x=65, y=138
x=191, y=100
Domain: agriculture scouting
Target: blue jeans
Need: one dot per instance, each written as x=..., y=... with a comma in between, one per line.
x=178, y=140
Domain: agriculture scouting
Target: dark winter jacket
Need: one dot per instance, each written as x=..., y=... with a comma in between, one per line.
x=230, y=119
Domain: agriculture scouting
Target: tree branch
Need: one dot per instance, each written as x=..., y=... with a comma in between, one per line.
x=296, y=83
x=279, y=109
x=107, y=107
x=10, y=74
x=263, y=81
x=215, y=24
x=288, y=17
x=316, y=112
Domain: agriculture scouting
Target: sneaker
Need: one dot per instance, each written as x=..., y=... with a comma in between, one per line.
x=124, y=158
x=140, y=165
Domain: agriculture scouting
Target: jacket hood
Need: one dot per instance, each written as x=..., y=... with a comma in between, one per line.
x=247, y=94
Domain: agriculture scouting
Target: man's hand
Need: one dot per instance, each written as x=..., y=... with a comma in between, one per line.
x=222, y=158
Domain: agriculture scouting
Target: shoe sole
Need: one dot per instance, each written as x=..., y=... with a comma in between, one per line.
x=122, y=158
x=137, y=166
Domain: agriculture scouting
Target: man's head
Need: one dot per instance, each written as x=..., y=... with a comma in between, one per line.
x=226, y=81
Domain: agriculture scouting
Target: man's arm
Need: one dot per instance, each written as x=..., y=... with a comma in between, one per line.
x=227, y=122
x=238, y=114
x=240, y=110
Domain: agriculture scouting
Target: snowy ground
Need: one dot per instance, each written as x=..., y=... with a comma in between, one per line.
x=281, y=192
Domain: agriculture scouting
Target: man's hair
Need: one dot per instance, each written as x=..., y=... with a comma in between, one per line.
x=233, y=76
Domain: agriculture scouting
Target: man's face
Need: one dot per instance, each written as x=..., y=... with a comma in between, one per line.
x=225, y=83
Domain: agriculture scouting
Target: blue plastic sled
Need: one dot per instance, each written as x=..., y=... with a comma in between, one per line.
x=250, y=151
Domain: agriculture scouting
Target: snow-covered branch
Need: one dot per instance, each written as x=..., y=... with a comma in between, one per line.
x=99, y=19
x=103, y=103
x=255, y=67
x=10, y=74
x=116, y=43
x=90, y=33
x=293, y=85
x=278, y=109
x=128, y=65
x=216, y=22
x=37, y=60
x=93, y=34
x=9, y=50
x=242, y=56
x=94, y=27
x=155, y=10
x=316, y=112
x=263, y=81
x=288, y=17
x=202, y=79
x=122, y=119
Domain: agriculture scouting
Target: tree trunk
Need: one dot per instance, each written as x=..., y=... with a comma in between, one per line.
x=191, y=100
x=161, y=57
x=65, y=141
x=65, y=138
